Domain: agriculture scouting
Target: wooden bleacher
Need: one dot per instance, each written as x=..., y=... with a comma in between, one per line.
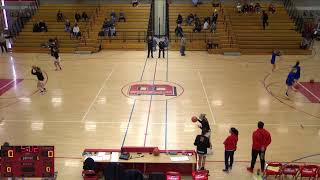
x=196, y=41
x=252, y=39
x=130, y=34
x=29, y=41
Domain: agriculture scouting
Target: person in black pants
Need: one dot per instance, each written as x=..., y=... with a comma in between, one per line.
x=230, y=146
x=3, y=43
x=161, y=48
x=150, y=46
x=37, y=72
x=265, y=18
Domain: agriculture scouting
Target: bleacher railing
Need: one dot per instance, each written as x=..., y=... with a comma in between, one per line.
x=294, y=14
x=151, y=19
x=191, y=36
x=138, y=36
x=167, y=19
x=232, y=39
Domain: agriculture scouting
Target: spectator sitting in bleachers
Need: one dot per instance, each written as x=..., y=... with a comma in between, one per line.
x=213, y=27
x=113, y=14
x=272, y=8
x=215, y=16
x=135, y=3
x=67, y=26
x=113, y=30
x=76, y=31
x=77, y=16
x=196, y=18
x=113, y=17
x=195, y=2
x=190, y=19
x=179, y=19
x=257, y=8
x=304, y=43
x=206, y=25
x=122, y=16
x=36, y=27
x=59, y=16
x=107, y=24
x=178, y=30
x=85, y=16
x=239, y=8
x=43, y=26
x=245, y=8
x=251, y=8
x=197, y=26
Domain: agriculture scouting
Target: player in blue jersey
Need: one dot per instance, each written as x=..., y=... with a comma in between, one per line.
x=290, y=81
x=275, y=53
x=297, y=74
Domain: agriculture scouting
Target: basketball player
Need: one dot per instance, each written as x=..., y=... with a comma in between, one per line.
x=297, y=74
x=56, y=60
x=275, y=53
x=205, y=127
x=290, y=81
x=202, y=142
x=37, y=72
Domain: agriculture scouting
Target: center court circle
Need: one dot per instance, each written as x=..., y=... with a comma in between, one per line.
x=159, y=90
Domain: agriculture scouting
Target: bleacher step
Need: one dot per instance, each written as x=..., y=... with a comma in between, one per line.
x=83, y=52
x=235, y=53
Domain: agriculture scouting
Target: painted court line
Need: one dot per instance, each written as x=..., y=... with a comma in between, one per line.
x=309, y=91
x=95, y=98
x=150, y=103
x=205, y=92
x=133, y=106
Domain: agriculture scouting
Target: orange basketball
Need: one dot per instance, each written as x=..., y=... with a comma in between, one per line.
x=156, y=151
x=194, y=119
x=311, y=81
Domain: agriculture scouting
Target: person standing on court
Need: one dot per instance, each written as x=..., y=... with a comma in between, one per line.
x=290, y=81
x=230, y=146
x=183, y=44
x=161, y=48
x=297, y=74
x=275, y=53
x=203, y=143
x=150, y=46
x=261, y=139
x=265, y=18
x=3, y=43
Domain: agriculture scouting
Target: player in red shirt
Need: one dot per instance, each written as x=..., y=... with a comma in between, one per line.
x=230, y=146
x=261, y=139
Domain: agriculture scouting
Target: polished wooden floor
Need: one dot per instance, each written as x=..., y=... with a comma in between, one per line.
x=85, y=106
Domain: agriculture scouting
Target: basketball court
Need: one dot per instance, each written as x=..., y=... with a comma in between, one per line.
x=102, y=101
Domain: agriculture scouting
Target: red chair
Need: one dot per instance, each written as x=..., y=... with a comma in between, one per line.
x=310, y=171
x=273, y=169
x=290, y=170
x=173, y=175
x=89, y=175
x=200, y=175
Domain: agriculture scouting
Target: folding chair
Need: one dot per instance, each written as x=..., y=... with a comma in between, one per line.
x=173, y=175
x=89, y=175
x=273, y=169
x=290, y=170
x=310, y=171
x=200, y=175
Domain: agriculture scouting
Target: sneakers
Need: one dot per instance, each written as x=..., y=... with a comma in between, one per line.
x=250, y=169
x=225, y=170
x=287, y=94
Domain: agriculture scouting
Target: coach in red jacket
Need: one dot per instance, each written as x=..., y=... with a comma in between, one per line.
x=261, y=139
